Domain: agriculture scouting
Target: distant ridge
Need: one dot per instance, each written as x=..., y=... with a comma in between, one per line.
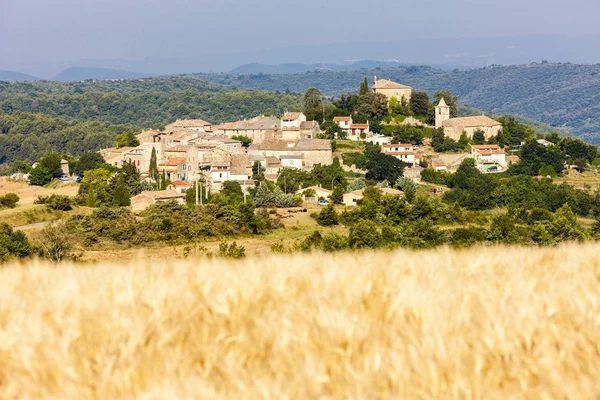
x=294, y=68
x=14, y=76
x=82, y=73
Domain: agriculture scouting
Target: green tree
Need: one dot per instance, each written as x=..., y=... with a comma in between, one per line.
x=408, y=186
x=9, y=200
x=313, y=99
x=364, y=234
x=328, y=216
x=121, y=193
x=13, y=244
x=40, y=176
x=364, y=87
x=153, y=164
x=126, y=140
x=87, y=161
x=382, y=167
x=337, y=195
x=420, y=104
x=246, y=141
x=264, y=197
x=479, y=137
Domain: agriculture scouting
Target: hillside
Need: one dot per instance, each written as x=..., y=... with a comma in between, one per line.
x=562, y=95
x=82, y=73
x=506, y=322
x=257, y=68
x=13, y=76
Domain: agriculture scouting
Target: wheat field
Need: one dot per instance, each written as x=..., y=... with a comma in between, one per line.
x=487, y=323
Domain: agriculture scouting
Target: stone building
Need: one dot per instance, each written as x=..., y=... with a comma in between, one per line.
x=454, y=127
x=392, y=89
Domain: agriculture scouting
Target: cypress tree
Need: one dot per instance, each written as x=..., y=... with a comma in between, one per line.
x=153, y=164
x=121, y=194
x=90, y=201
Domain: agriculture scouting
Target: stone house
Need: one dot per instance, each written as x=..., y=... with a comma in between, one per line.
x=392, y=89
x=313, y=151
x=319, y=193
x=175, y=169
x=146, y=199
x=352, y=198
x=188, y=124
x=258, y=129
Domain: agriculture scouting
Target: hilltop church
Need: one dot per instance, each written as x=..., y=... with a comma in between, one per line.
x=392, y=89
x=454, y=127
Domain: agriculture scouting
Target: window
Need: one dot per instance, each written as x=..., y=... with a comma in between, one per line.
x=183, y=167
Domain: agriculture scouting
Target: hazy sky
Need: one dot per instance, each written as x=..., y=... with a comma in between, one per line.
x=69, y=30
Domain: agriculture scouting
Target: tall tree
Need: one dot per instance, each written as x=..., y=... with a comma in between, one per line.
x=153, y=164
x=364, y=87
x=313, y=99
x=420, y=104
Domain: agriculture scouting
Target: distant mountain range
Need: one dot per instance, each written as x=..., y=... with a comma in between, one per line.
x=13, y=76
x=257, y=68
x=83, y=73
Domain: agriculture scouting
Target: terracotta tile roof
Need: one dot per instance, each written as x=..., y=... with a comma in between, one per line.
x=291, y=116
x=188, y=123
x=359, y=126
x=309, y=125
x=386, y=84
x=162, y=194
x=342, y=119
x=320, y=144
x=470, y=122
x=173, y=162
x=391, y=146
x=272, y=160
x=182, y=183
x=178, y=149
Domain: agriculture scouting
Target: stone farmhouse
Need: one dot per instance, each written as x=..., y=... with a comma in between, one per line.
x=145, y=199
x=454, y=127
x=392, y=89
x=303, y=153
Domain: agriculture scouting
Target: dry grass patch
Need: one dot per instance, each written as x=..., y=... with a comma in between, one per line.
x=491, y=323
x=28, y=193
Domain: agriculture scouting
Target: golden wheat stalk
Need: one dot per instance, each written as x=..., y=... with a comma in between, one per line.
x=475, y=324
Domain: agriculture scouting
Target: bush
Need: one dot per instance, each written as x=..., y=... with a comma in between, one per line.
x=232, y=250
x=9, y=200
x=56, y=202
x=328, y=216
x=13, y=244
x=364, y=234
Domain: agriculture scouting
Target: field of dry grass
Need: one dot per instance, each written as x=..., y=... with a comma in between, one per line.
x=28, y=193
x=491, y=323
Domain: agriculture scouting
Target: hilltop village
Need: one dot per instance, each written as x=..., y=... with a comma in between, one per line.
x=191, y=150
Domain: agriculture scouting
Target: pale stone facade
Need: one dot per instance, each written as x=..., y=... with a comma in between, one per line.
x=392, y=89
x=442, y=113
x=454, y=127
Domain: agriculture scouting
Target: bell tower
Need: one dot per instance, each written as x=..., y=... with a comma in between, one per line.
x=442, y=113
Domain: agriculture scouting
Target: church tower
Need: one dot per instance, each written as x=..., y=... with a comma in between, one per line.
x=442, y=113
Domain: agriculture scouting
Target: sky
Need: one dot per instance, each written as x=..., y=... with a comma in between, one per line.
x=66, y=31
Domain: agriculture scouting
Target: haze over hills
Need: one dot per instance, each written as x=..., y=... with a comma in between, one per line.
x=14, y=76
x=82, y=73
x=448, y=53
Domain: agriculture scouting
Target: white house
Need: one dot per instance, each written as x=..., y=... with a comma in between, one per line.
x=403, y=152
x=488, y=155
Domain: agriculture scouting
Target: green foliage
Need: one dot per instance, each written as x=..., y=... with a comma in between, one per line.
x=357, y=184
x=13, y=244
x=153, y=169
x=438, y=177
x=120, y=195
x=231, y=250
x=328, y=216
x=246, y=141
x=9, y=200
x=420, y=104
x=364, y=234
x=87, y=161
x=337, y=195
x=312, y=99
x=56, y=202
x=126, y=140
x=382, y=167
x=408, y=186
x=478, y=137
x=291, y=179
x=547, y=170
x=364, y=87
x=264, y=197
x=534, y=156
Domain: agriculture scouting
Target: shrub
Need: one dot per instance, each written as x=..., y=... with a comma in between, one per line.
x=9, y=200
x=364, y=234
x=54, y=243
x=328, y=216
x=56, y=202
x=232, y=250
x=13, y=244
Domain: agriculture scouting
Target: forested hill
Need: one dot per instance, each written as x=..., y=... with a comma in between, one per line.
x=145, y=103
x=562, y=95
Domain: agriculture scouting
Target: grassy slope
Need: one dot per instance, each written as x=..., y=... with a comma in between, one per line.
x=484, y=323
